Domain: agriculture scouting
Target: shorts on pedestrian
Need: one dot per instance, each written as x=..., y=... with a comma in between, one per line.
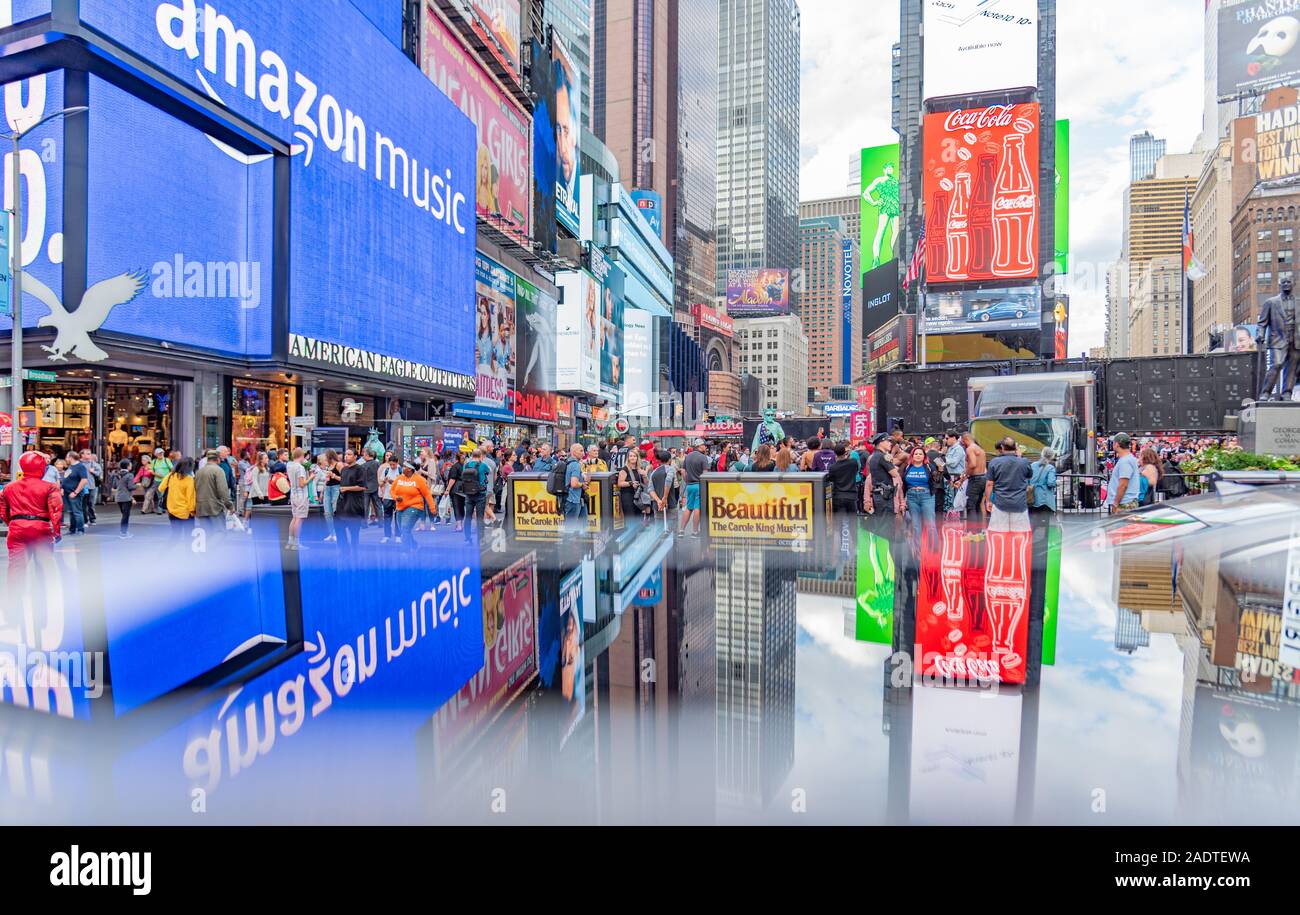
x=692, y=497
x=299, y=507
x=1001, y=520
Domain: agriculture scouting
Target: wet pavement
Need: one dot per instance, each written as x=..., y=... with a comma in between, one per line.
x=1083, y=672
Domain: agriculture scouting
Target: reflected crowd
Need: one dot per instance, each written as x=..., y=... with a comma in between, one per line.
x=759, y=649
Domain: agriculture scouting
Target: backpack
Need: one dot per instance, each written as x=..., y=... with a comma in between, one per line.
x=278, y=487
x=556, y=484
x=470, y=484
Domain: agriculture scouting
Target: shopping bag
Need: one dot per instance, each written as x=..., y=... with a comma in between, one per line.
x=959, y=500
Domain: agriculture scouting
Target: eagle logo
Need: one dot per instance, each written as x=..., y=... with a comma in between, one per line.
x=74, y=328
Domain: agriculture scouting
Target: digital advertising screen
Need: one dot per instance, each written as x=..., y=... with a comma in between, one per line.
x=982, y=310
x=42, y=231
x=568, y=136
x=758, y=293
x=503, y=178
x=976, y=46
x=980, y=191
x=383, y=166
x=577, y=332
x=205, y=260
x=535, y=338
x=878, y=246
x=494, y=332
x=609, y=278
x=1258, y=45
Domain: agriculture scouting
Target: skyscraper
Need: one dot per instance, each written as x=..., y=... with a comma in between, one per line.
x=758, y=135
x=655, y=108
x=1143, y=151
x=834, y=343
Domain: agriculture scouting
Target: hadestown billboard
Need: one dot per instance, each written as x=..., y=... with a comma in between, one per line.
x=974, y=46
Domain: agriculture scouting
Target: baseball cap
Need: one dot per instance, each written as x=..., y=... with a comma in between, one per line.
x=1121, y=440
x=698, y=442
x=157, y=451
x=929, y=440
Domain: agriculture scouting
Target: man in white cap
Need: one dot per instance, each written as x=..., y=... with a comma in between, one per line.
x=695, y=464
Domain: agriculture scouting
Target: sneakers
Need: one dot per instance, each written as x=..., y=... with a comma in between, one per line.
x=383, y=540
x=331, y=539
x=125, y=536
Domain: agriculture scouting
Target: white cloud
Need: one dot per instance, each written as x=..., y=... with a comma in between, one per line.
x=1113, y=79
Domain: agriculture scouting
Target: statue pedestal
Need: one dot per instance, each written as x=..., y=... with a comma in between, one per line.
x=1270, y=428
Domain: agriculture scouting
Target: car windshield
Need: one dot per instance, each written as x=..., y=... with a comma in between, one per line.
x=1033, y=433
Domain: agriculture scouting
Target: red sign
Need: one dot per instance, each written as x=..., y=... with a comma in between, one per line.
x=860, y=427
x=564, y=409
x=534, y=406
x=980, y=193
x=504, y=168
x=972, y=607
x=709, y=319
x=509, y=657
x=6, y=429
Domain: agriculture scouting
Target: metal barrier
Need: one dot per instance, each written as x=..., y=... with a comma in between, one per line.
x=1081, y=493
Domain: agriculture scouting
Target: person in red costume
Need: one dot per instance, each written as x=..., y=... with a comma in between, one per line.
x=33, y=509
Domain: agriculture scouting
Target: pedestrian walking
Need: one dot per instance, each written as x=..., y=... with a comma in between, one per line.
x=474, y=487
x=178, y=488
x=212, y=495
x=123, y=483
x=1006, y=490
x=75, y=482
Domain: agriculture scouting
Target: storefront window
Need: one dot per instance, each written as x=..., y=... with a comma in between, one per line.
x=66, y=413
x=259, y=415
x=138, y=419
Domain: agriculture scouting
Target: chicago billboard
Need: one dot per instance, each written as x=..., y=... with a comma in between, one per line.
x=758, y=293
x=878, y=246
x=980, y=190
x=382, y=171
x=982, y=310
x=568, y=132
x=1257, y=45
x=494, y=332
x=503, y=182
x=974, y=46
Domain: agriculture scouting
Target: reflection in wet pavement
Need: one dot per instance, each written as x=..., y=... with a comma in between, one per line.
x=1060, y=675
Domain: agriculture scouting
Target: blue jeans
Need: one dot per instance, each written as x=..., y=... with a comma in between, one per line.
x=407, y=518
x=920, y=508
x=74, y=509
x=331, y=500
x=575, y=515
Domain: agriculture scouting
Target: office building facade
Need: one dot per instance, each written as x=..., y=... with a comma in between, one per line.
x=775, y=350
x=831, y=303
x=757, y=136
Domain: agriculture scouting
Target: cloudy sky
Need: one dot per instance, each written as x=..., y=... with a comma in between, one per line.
x=1113, y=79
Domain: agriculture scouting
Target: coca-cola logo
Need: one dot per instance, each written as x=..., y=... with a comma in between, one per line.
x=1022, y=202
x=994, y=116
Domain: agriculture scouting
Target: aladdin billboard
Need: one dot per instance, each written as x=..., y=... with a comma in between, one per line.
x=760, y=293
x=980, y=192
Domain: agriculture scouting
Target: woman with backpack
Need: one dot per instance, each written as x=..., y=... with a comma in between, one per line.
x=474, y=487
x=633, y=496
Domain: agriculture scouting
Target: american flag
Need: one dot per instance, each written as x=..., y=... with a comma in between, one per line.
x=917, y=262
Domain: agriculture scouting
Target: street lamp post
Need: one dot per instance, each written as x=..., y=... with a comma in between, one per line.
x=16, y=265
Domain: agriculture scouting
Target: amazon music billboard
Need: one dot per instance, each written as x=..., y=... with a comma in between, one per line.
x=381, y=165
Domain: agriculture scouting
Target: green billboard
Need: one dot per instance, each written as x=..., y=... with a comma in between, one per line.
x=874, y=616
x=1062, y=197
x=880, y=206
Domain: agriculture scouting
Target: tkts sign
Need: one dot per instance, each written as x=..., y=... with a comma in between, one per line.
x=980, y=191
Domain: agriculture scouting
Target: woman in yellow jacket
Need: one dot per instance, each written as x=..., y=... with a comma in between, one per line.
x=178, y=489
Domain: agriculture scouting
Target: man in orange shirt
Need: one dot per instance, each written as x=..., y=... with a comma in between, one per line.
x=410, y=495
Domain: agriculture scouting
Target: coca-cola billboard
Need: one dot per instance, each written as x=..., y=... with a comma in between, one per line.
x=980, y=194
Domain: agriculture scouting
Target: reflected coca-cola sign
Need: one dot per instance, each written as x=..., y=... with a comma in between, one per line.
x=981, y=194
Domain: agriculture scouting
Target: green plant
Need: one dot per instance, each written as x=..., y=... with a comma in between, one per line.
x=1217, y=459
